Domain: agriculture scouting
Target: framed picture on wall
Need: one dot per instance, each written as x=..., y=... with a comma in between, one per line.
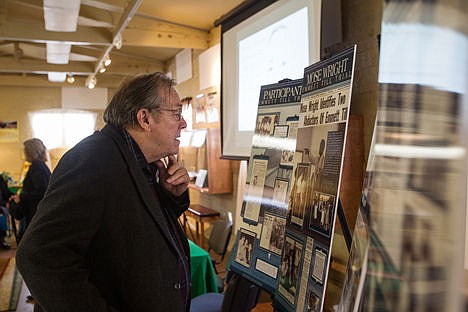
x=9, y=132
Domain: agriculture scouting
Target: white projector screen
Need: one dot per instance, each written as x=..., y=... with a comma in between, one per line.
x=277, y=42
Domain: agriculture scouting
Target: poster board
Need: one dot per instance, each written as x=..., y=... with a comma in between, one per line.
x=260, y=239
x=315, y=184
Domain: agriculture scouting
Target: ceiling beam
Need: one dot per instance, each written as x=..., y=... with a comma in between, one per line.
x=83, y=35
x=9, y=65
x=34, y=4
x=41, y=81
x=134, y=68
x=179, y=39
x=102, y=6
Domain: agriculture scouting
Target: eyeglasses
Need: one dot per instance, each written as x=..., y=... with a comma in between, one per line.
x=177, y=113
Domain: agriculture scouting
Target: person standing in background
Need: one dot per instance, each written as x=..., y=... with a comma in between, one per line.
x=106, y=236
x=35, y=183
x=5, y=195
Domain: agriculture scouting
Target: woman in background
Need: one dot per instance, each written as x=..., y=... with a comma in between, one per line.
x=34, y=185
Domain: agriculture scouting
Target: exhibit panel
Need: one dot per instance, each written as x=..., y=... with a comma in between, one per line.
x=260, y=240
x=293, y=180
x=314, y=196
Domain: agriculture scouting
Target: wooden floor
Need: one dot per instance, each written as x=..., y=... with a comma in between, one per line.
x=23, y=305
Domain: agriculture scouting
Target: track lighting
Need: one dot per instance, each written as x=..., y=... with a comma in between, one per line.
x=91, y=81
x=70, y=78
x=102, y=69
x=118, y=41
x=107, y=60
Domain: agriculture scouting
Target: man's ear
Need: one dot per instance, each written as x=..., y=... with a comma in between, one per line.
x=143, y=116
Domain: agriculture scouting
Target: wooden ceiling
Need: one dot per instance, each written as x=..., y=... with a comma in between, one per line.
x=152, y=32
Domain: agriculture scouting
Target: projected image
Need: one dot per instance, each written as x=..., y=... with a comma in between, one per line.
x=278, y=51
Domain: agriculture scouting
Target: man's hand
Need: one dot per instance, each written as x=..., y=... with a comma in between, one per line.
x=15, y=198
x=174, y=178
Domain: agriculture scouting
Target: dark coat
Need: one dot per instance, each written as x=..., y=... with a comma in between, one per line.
x=5, y=192
x=99, y=241
x=34, y=187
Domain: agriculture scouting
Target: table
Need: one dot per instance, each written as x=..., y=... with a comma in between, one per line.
x=200, y=214
x=203, y=276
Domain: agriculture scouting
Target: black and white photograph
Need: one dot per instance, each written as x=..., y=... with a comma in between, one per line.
x=254, y=194
x=266, y=123
x=284, y=172
x=298, y=198
x=212, y=113
x=313, y=302
x=290, y=265
x=272, y=237
x=287, y=157
x=280, y=191
x=200, y=109
x=245, y=247
x=321, y=214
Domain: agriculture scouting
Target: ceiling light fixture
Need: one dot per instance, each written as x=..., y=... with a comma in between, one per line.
x=107, y=60
x=70, y=78
x=102, y=69
x=91, y=81
x=118, y=41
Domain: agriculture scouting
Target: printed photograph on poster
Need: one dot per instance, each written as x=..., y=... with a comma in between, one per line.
x=300, y=192
x=298, y=156
x=293, y=123
x=313, y=302
x=320, y=262
x=281, y=131
x=274, y=158
x=287, y=157
x=321, y=215
x=212, y=114
x=272, y=237
x=266, y=123
x=200, y=108
x=322, y=146
x=280, y=190
x=254, y=194
x=262, y=199
x=245, y=247
x=285, y=171
x=290, y=265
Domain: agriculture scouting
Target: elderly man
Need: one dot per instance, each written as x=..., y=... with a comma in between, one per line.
x=106, y=237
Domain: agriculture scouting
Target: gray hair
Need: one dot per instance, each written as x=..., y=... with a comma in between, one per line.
x=142, y=91
x=35, y=150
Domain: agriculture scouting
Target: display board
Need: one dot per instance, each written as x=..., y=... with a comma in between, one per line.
x=291, y=194
x=259, y=242
x=315, y=184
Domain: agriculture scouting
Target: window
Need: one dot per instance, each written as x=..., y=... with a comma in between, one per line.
x=62, y=128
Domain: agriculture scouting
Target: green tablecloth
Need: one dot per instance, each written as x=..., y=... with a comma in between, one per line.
x=202, y=272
